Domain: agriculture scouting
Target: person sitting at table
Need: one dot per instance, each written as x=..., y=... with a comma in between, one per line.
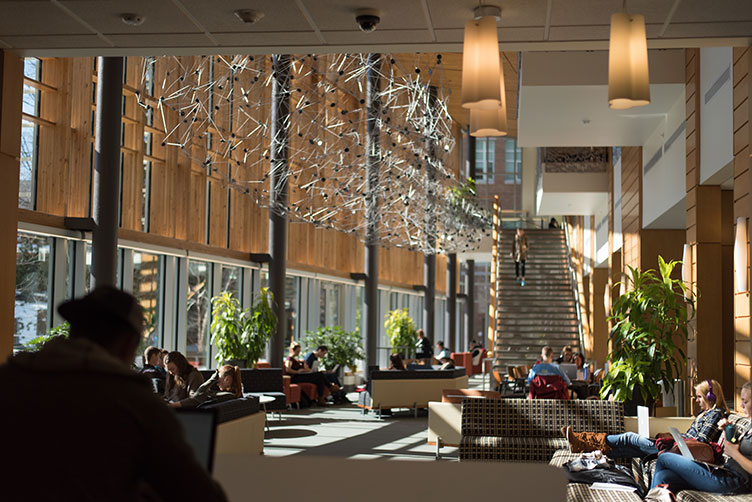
x=183, y=380
x=566, y=355
x=476, y=352
x=313, y=362
x=583, y=374
x=447, y=363
x=395, y=362
x=705, y=428
x=546, y=366
x=224, y=384
x=733, y=477
x=300, y=373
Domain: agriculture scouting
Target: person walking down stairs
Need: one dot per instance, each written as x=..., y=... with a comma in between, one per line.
x=519, y=254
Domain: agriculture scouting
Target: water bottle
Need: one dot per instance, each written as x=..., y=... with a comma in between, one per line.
x=584, y=372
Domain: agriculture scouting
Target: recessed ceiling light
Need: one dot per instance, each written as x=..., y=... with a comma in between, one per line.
x=133, y=19
x=249, y=16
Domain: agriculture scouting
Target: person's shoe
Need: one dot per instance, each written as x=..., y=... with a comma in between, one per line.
x=517, y=279
x=583, y=442
x=522, y=282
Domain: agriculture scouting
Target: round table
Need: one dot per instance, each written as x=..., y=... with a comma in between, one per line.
x=263, y=400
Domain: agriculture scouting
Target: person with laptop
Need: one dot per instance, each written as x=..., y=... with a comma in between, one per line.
x=102, y=431
x=704, y=428
x=733, y=477
x=546, y=366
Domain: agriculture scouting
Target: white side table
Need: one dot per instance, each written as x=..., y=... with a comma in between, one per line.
x=263, y=400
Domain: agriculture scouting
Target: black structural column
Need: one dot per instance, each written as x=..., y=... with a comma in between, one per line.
x=106, y=171
x=373, y=160
x=470, y=308
x=429, y=262
x=280, y=120
x=451, y=304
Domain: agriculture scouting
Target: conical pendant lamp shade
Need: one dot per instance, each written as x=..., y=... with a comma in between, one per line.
x=628, y=78
x=485, y=123
x=480, y=65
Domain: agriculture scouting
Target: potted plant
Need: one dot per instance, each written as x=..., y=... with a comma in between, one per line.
x=343, y=347
x=650, y=326
x=241, y=335
x=37, y=343
x=401, y=331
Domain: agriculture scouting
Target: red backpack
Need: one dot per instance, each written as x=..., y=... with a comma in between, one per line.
x=548, y=387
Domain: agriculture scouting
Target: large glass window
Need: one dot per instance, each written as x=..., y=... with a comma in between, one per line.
x=484, y=160
x=147, y=280
x=29, y=134
x=197, y=313
x=512, y=162
x=329, y=304
x=33, y=268
x=231, y=280
x=291, y=307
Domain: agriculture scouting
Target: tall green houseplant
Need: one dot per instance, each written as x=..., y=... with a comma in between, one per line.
x=343, y=347
x=650, y=327
x=401, y=331
x=241, y=335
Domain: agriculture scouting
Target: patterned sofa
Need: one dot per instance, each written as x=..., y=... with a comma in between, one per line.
x=525, y=430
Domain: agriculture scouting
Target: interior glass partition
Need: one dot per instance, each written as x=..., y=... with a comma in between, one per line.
x=147, y=280
x=33, y=286
x=198, y=313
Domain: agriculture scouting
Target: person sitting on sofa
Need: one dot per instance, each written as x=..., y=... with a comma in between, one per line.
x=395, y=362
x=447, y=363
x=299, y=372
x=546, y=366
x=709, y=397
x=734, y=477
x=152, y=355
x=476, y=351
x=312, y=362
x=183, y=380
x=224, y=384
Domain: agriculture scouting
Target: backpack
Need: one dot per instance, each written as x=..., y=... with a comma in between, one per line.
x=548, y=387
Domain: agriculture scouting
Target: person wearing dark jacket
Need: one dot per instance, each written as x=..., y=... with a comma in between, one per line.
x=103, y=433
x=183, y=380
x=423, y=349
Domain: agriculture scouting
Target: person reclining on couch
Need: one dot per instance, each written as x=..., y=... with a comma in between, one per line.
x=734, y=477
x=224, y=384
x=704, y=428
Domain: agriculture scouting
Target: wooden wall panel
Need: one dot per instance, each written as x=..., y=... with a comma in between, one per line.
x=80, y=145
x=631, y=208
x=217, y=214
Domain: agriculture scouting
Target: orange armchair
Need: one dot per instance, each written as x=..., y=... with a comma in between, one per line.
x=291, y=390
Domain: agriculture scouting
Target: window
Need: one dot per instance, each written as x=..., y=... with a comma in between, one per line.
x=231, y=277
x=291, y=307
x=329, y=304
x=197, y=313
x=147, y=280
x=29, y=135
x=33, y=269
x=512, y=162
x=484, y=160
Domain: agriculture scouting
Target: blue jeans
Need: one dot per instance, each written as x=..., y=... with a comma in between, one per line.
x=681, y=473
x=630, y=445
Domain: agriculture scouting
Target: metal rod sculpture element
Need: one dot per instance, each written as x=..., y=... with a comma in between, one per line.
x=106, y=171
x=279, y=172
x=373, y=164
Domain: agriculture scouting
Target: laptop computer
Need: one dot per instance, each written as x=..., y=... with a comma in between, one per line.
x=569, y=369
x=200, y=428
x=680, y=443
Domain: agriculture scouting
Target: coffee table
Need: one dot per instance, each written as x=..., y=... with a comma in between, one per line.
x=263, y=400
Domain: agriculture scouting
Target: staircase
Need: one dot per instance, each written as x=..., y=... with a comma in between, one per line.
x=543, y=312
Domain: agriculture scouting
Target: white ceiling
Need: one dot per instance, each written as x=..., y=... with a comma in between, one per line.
x=93, y=27
x=571, y=203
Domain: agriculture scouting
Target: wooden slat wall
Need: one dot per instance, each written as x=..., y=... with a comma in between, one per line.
x=742, y=103
x=188, y=206
x=631, y=205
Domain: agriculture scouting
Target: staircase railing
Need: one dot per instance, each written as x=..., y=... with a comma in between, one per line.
x=575, y=284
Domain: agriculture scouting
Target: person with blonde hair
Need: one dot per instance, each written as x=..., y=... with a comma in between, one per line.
x=225, y=384
x=704, y=428
x=300, y=373
x=733, y=477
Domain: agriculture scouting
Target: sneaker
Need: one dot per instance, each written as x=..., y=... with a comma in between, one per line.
x=522, y=283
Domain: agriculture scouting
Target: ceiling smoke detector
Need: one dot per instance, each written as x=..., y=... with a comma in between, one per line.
x=249, y=16
x=133, y=19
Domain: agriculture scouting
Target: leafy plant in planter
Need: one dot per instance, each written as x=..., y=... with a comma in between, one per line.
x=650, y=325
x=37, y=343
x=241, y=335
x=401, y=331
x=344, y=347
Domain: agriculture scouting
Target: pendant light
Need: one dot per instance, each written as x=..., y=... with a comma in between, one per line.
x=480, y=60
x=484, y=123
x=628, y=77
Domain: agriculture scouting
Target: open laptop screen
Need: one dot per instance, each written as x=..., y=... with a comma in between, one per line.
x=200, y=428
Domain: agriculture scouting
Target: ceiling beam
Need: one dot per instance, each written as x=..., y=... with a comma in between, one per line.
x=306, y=14
x=669, y=17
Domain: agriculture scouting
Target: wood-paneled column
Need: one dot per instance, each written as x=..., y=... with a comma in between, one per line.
x=742, y=208
x=11, y=76
x=704, y=351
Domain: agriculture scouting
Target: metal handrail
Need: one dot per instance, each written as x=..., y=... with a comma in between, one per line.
x=575, y=283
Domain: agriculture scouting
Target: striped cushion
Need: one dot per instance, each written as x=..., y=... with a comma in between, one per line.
x=539, y=417
x=693, y=496
x=579, y=492
x=509, y=449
